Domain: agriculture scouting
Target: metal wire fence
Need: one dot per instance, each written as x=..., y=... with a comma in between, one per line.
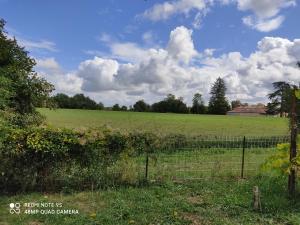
x=210, y=157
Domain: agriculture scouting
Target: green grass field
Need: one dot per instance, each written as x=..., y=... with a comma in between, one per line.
x=207, y=202
x=168, y=122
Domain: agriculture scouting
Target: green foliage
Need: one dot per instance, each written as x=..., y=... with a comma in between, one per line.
x=116, y=107
x=170, y=104
x=297, y=93
x=145, y=142
x=141, y=106
x=78, y=101
x=280, y=163
x=20, y=87
x=218, y=103
x=198, y=106
x=281, y=98
x=51, y=159
x=42, y=158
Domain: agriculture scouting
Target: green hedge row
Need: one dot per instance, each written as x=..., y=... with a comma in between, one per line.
x=48, y=159
x=52, y=159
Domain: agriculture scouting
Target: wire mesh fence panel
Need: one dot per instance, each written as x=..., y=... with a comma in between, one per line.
x=257, y=150
x=211, y=157
x=255, y=158
x=195, y=164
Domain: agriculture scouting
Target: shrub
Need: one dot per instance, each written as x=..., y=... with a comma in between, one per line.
x=279, y=163
x=47, y=159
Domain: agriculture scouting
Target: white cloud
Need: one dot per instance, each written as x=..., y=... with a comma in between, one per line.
x=266, y=15
x=43, y=45
x=35, y=45
x=66, y=82
x=209, y=52
x=128, y=51
x=197, y=20
x=180, y=69
x=29, y=44
x=181, y=46
x=163, y=11
x=264, y=8
x=48, y=63
x=263, y=25
x=148, y=38
x=98, y=74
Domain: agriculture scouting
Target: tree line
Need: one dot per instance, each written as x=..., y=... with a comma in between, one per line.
x=280, y=102
x=218, y=103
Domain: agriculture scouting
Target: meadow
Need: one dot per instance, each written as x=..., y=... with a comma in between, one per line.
x=164, y=123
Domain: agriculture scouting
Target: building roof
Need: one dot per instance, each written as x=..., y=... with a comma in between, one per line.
x=249, y=109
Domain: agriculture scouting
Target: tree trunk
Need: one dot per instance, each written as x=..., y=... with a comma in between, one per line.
x=293, y=147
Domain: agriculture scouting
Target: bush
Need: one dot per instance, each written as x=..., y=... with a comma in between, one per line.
x=52, y=159
x=279, y=163
x=48, y=159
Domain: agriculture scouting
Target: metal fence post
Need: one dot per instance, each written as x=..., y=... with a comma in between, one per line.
x=146, y=167
x=243, y=157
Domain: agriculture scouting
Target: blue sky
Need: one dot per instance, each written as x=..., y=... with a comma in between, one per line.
x=110, y=48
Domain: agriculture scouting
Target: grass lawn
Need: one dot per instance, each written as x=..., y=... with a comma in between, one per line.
x=211, y=201
x=168, y=122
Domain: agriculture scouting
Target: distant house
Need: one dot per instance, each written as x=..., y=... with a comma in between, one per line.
x=252, y=110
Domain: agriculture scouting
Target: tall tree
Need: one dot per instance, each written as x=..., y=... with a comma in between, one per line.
x=280, y=98
x=218, y=103
x=198, y=106
x=20, y=87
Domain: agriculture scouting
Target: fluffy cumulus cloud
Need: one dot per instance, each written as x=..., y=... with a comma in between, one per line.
x=265, y=14
x=178, y=68
x=98, y=74
x=181, y=46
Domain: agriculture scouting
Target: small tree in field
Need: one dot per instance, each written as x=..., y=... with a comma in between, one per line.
x=218, y=103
